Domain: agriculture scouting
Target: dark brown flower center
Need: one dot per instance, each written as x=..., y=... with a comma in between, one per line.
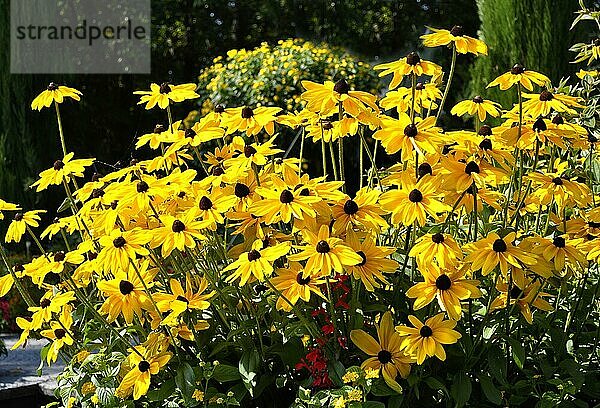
x=437, y=238
x=165, y=88
x=182, y=299
x=205, y=203
x=58, y=165
x=471, y=167
x=142, y=187
x=486, y=144
x=18, y=216
x=178, y=226
x=44, y=303
x=517, y=69
x=125, y=287
x=219, y=109
x=144, y=366
x=249, y=151
x=546, y=95
x=52, y=86
x=247, y=112
x=415, y=196
x=424, y=169
x=425, y=331
x=286, y=197
x=516, y=292
x=411, y=130
x=443, y=282
x=327, y=125
x=190, y=133
x=253, y=255
x=457, y=31
x=559, y=242
x=413, y=59
x=539, y=125
x=350, y=207
x=159, y=128
x=499, y=245
x=558, y=119
x=485, y=130
x=218, y=171
x=478, y=99
x=59, y=256
x=384, y=357
x=420, y=86
x=301, y=280
x=241, y=190
x=59, y=333
x=363, y=256
x=341, y=87
x=97, y=193
x=119, y=242
x=558, y=181
x=323, y=247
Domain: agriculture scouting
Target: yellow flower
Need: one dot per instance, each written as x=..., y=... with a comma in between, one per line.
x=19, y=224
x=178, y=232
x=59, y=333
x=463, y=43
x=165, y=93
x=50, y=304
x=325, y=99
x=449, y=286
x=54, y=93
x=411, y=64
x=543, y=103
x=142, y=367
x=362, y=211
x=427, y=339
x=256, y=263
x=413, y=202
x=386, y=355
x=492, y=250
x=478, y=106
x=180, y=301
x=324, y=253
x=439, y=247
x=121, y=247
x=519, y=75
x=6, y=206
x=294, y=286
x=583, y=73
x=62, y=171
x=249, y=120
x=401, y=134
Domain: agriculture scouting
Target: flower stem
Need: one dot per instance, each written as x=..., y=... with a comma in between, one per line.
x=450, y=76
x=60, y=129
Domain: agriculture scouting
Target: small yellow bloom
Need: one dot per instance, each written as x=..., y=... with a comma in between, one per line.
x=54, y=93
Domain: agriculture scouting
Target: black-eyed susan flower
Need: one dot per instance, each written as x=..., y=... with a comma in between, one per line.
x=62, y=171
x=119, y=248
x=250, y=120
x=553, y=187
x=361, y=211
x=375, y=262
x=449, y=286
x=166, y=93
x=178, y=232
x=143, y=364
x=463, y=43
x=59, y=333
x=54, y=93
x=477, y=106
x=50, y=303
x=126, y=295
x=247, y=154
x=543, y=103
x=560, y=250
x=324, y=254
x=519, y=75
x=401, y=134
x=426, y=95
x=325, y=98
x=461, y=174
x=256, y=263
x=413, y=202
x=386, y=355
x=281, y=203
x=180, y=300
x=524, y=292
x=426, y=340
x=492, y=250
x=439, y=247
x=160, y=134
x=19, y=224
x=411, y=64
x=294, y=286
x=6, y=283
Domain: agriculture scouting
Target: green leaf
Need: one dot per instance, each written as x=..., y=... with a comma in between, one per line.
x=518, y=352
x=435, y=384
x=497, y=364
x=165, y=390
x=461, y=389
x=225, y=373
x=373, y=404
x=489, y=389
x=248, y=368
x=186, y=380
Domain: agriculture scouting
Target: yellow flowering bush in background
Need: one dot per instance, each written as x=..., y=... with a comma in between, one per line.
x=271, y=74
x=216, y=272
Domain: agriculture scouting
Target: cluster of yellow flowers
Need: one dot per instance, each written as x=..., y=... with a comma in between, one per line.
x=160, y=245
x=271, y=74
